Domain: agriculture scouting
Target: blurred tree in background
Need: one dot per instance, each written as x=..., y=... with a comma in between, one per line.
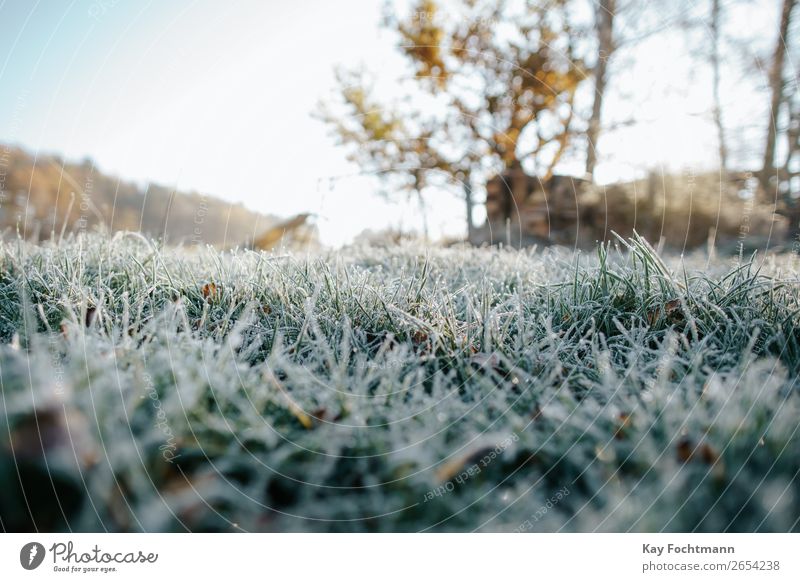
x=504, y=88
x=492, y=88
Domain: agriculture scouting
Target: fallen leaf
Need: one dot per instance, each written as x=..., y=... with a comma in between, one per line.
x=672, y=311
x=623, y=422
x=210, y=291
x=684, y=450
x=703, y=452
x=294, y=408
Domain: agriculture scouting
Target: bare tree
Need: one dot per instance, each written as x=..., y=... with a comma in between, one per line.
x=716, y=33
x=777, y=97
x=604, y=26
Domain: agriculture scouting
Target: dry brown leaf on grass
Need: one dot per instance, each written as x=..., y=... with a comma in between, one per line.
x=419, y=337
x=471, y=455
x=453, y=466
x=703, y=452
x=210, y=291
x=671, y=311
x=293, y=407
x=623, y=423
x=423, y=341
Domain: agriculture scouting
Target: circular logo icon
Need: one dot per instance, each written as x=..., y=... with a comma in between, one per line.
x=31, y=555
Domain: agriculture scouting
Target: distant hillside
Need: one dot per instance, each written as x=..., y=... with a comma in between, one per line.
x=43, y=197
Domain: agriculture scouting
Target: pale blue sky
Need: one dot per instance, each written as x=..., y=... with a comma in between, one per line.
x=216, y=96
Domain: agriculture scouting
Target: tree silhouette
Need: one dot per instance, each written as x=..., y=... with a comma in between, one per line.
x=491, y=87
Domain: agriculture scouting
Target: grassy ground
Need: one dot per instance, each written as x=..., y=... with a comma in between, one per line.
x=403, y=389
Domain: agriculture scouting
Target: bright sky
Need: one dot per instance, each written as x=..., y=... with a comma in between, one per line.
x=217, y=97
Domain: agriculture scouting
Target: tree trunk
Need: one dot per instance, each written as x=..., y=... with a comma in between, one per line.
x=776, y=96
x=793, y=137
x=715, y=65
x=469, y=206
x=423, y=211
x=604, y=25
x=791, y=173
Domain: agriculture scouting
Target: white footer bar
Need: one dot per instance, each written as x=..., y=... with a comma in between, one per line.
x=408, y=557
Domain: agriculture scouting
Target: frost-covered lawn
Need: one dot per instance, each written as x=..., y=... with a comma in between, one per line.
x=401, y=389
